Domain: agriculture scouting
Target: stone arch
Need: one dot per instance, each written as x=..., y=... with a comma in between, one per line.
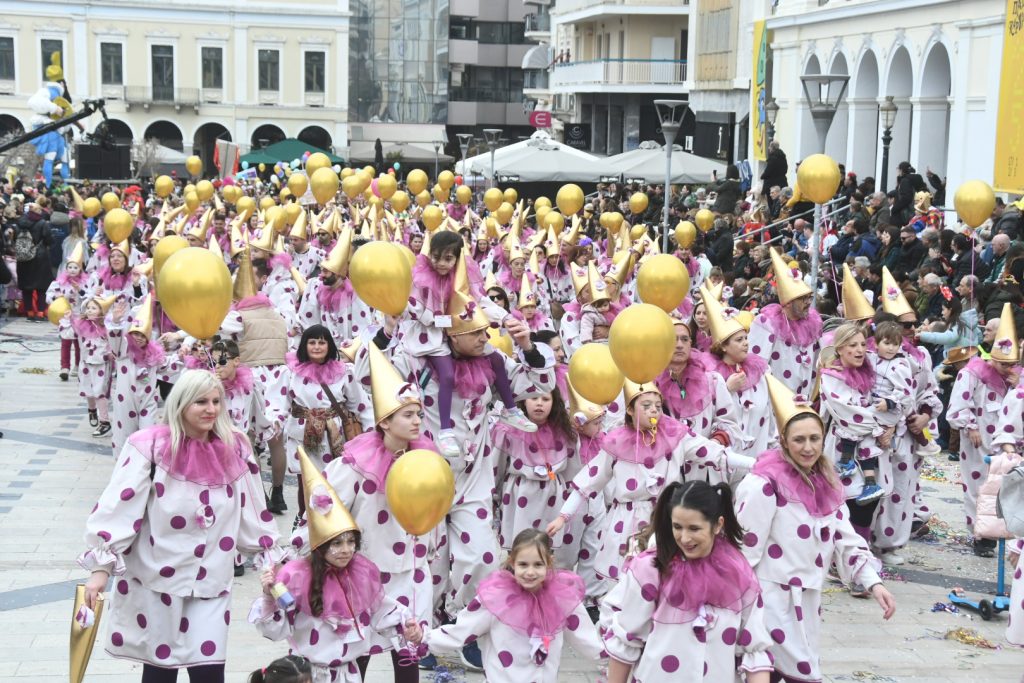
x=933, y=110
x=316, y=136
x=167, y=133
x=265, y=135
x=204, y=140
x=899, y=82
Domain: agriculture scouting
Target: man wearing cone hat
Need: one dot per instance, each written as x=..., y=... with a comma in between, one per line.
x=330, y=299
x=306, y=257
x=274, y=277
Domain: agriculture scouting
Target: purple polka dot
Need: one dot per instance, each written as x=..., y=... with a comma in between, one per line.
x=226, y=543
x=774, y=551
x=803, y=531
x=505, y=657
x=669, y=664
x=208, y=647
x=127, y=494
x=163, y=651
x=116, y=639
x=177, y=522
x=778, y=635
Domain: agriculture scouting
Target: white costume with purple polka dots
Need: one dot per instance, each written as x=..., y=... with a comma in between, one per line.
x=282, y=291
x=133, y=391
x=1015, y=617
x=345, y=323
x=791, y=364
x=94, y=367
x=308, y=262
x=851, y=415
x=753, y=409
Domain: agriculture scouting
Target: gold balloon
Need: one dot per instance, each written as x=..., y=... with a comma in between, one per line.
x=416, y=181
x=638, y=203
x=205, y=190
x=245, y=205
x=446, y=179
x=194, y=288
x=194, y=165
x=422, y=198
x=637, y=231
x=189, y=188
x=554, y=220
x=292, y=212
x=298, y=184
x=603, y=219
x=595, y=375
x=163, y=186
x=381, y=276
x=704, y=219
x=316, y=161
x=686, y=234
x=615, y=220
x=275, y=216
x=663, y=281
x=324, y=184
x=56, y=310
x=407, y=253
x=432, y=217
x=266, y=203
x=163, y=250
x=118, y=224
x=504, y=213
x=420, y=489
x=818, y=178
x=493, y=198
x=91, y=207
x=110, y=201
x=541, y=213
x=541, y=201
x=283, y=195
x=510, y=195
x=463, y=194
x=641, y=341
x=192, y=201
x=352, y=186
x=386, y=186
x=368, y=170
x=569, y=199
x=974, y=201
x=500, y=341
x=400, y=201
x=440, y=194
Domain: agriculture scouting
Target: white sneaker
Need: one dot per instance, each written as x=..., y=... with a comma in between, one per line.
x=448, y=443
x=892, y=559
x=514, y=417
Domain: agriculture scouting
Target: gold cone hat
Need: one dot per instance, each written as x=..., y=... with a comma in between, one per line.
x=238, y=238
x=105, y=303
x=350, y=348
x=77, y=201
x=620, y=272
x=337, y=260
x=214, y=247
x=491, y=282
x=461, y=281
x=551, y=246
x=598, y=288
x=630, y=390
x=579, y=277
x=515, y=249
x=300, y=229
x=526, y=295
x=390, y=392
x=582, y=411
x=82, y=638
x=721, y=329
x=534, y=264
x=787, y=286
x=573, y=236
x=893, y=300
x=784, y=404
x=1006, y=345
x=326, y=516
x=145, y=268
x=466, y=315
x=143, y=323
x=715, y=291
x=124, y=246
x=78, y=254
x=245, y=278
x=265, y=242
x=855, y=304
x=299, y=280
x=202, y=228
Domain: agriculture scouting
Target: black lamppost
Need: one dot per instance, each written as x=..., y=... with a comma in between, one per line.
x=771, y=112
x=887, y=110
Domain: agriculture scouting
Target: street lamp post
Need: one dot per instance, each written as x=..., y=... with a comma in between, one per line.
x=823, y=94
x=437, y=153
x=888, y=111
x=492, y=136
x=670, y=115
x=771, y=112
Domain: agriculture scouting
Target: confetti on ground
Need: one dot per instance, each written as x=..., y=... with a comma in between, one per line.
x=969, y=636
x=890, y=574
x=931, y=472
x=945, y=607
x=444, y=674
x=940, y=532
x=33, y=371
x=869, y=676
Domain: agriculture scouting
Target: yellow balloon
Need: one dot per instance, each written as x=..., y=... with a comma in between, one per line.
x=432, y=217
x=267, y=202
x=369, y=171
x=194, y=288
x=163, y=186
x=493, y=198
x=569, y=199
x=504, y=213
x=663, y=281
x=194, y=165
x=595, y=375
x=298, y=184
x=542, y=214
x=686, y=234
x=381, y=276
x=205, y=189
x=118, y=224
x=163, y=250
x=352, y=186
x=615, y=220
x=602, y=220
x=440, y=194
x=705, y=220
x=541, y=201
x=638, y=203
x=245, y=205
x=110, y=201
x=422, y=198
x=275, y=216
x=974, y=201
x=500, y=341
x=818, y=177
x=192, y=201
x=386, y=186
x=315, y=162
x=554, y=220
x=446, y=179
x=407, y=253
x=92, y=207
x=262, y=167
x=346, y=172
x=416, y=181
x=57, y=309
x=641, y=341
x=637, y=231
x=463, y=194
x=189, y=188
x=291, y=213
x=510, y=195
x=324, y=184
x=420, y=489
x=400, y=201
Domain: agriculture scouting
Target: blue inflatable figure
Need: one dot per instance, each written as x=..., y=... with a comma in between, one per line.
x=49, y=105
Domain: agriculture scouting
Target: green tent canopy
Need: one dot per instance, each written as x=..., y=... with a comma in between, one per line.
x=288, y=150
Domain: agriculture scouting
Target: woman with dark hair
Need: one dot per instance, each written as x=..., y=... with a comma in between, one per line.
x=791, y=509
x=691, y=609
x=728, y=191
x=961, y=327
x=891, y=250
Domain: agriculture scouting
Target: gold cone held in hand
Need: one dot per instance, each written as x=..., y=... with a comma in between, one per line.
x=784, y=403
x=326, y=515
x=143, y=322
x=855, y=304
x=82, y=639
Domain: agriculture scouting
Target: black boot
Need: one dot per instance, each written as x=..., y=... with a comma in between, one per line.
x=277, y=504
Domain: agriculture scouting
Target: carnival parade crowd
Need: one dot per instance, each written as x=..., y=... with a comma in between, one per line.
x=682, y=530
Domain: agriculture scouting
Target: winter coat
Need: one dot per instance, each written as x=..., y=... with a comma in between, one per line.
x=775, y=169
x=728, y=193
x=35, y=274
x=911, y=255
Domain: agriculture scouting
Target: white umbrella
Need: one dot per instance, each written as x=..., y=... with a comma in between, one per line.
x=537, y=159
x=648, y=162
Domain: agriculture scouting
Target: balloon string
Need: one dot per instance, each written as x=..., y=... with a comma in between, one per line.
x=409, y=655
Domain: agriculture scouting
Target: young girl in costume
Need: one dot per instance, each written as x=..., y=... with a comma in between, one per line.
x=521, y=616
x=290, y=669
x=690, y=610
x=596, y=313
x=94, y=371
x=70, y=284
x=329, y=605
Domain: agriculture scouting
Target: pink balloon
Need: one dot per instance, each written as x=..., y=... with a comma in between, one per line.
x=458, y=180
x=391, y=171
x=373, y=187
x=229, y=181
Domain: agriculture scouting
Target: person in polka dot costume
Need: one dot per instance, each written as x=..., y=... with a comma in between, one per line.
x=306, y=257
x=1015, y=618
x=94, y=369
x=569, y=325
x=274, y=278
x=183, y=498
x=115, y=277
x=329, y=300
x=691, y=610
x=795, y=525
x=522, y=616
x=70, y=284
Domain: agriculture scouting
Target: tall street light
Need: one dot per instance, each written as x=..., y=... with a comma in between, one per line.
x=492, y=136
x=771, y=113
x=887, y=110
x=670, y=115
x=823, y=94
x=437, y=153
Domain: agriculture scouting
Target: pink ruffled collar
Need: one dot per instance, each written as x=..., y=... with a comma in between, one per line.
x=473, y=374
x=320, y=373
x=282, y=260
x=987, y=375
x=861, y=379
x=207, y=463
x=538, y=614
x=907, y=346
x=545, y=447
x=368, y=455
x=149, y=356
x=433, y=288
x=794, y=332
x=241, y=384
x=255, y=301
x=754, y=367
x=88, y=329
x=626, y=444
x=335, y=298
x=350, y=595
x=815, y=493
x=590, y=447
x=562, y=380
x=573, y=308
x=689, y=394
x=111, y=281
x=65, y=280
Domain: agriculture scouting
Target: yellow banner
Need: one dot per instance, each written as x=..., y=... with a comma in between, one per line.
x=1009, y=169
x=759, y=92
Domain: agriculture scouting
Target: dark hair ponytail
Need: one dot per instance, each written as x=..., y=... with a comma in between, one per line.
x=289, y=669
x=711, y=501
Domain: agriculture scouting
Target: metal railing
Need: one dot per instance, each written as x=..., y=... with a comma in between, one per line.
x=535, y=80
x=565, y=6
x=771, y=226
x=538, y=22
x=620, y=72
x=140, y=94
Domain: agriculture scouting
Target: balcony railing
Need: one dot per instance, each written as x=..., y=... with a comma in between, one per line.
x=160, y=95
x=566, y=6
x=535, y=80
x=620, y=72
x=538, y=23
